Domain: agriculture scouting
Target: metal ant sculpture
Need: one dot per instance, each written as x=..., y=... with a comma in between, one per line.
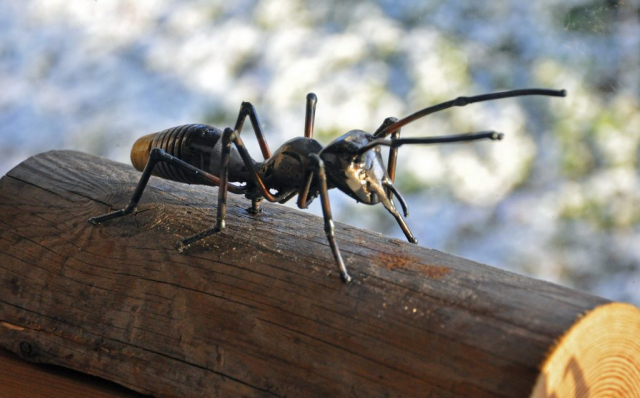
x=201, y=154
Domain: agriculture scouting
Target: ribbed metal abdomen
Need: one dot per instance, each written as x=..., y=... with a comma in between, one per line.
x=192, y=143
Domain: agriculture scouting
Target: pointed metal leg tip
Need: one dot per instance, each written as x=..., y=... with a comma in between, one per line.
x=181, y=246
x=93, y=221
x=251, y=210
x=346, y=278
x=414, y=240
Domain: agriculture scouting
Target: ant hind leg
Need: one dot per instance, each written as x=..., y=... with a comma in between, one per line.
x=158, y=155
x=154, y=158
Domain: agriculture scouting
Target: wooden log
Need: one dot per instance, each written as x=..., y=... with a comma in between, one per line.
x=22, y=379
x=259, y=310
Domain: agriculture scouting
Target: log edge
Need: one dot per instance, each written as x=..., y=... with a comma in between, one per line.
x=605, y=341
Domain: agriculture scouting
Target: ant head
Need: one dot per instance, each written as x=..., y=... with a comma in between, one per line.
x=361, y=175
x=354, y=163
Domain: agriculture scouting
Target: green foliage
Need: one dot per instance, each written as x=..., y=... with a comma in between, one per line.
x=596, y=17
x=218, y=116
x=409, y=183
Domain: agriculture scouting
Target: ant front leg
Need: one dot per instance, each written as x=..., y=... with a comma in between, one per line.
x=329, y=228
x=390, y=188
x=391, y=208
x=397, y=142
x=393, y=152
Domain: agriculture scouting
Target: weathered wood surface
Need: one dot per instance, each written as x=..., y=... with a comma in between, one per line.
x=258, y=310
x=22, y=379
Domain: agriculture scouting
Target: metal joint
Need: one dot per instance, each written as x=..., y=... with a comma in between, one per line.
x=329, y=228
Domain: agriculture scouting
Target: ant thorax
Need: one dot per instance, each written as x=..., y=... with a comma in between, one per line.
x=286, y=168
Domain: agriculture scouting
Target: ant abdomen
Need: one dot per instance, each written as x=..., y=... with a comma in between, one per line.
x=192, y=143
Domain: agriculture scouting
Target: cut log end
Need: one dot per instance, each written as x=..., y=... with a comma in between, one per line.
x=598, y=356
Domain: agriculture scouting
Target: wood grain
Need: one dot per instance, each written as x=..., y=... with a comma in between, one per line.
x=22, y=379
x=258, y=310
x=598, y=357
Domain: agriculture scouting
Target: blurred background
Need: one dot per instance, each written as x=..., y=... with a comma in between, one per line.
x=557, y=199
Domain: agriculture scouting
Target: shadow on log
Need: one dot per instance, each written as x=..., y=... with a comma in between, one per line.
x=259, y=310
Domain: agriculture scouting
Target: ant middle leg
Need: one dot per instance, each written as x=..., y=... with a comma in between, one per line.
x=329, y=227
x=230, y=136
x=310, y=115
x=247, y=109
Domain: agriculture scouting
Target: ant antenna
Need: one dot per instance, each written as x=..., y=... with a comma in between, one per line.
x=462, y=101
x=396, y=142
